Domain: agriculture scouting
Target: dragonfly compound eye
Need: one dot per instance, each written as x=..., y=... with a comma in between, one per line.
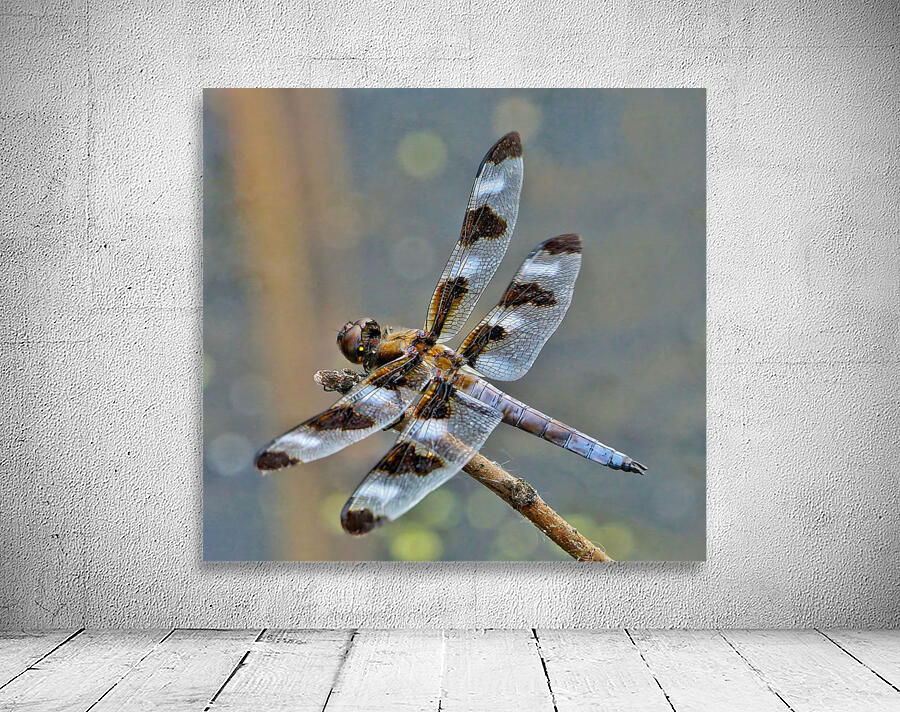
x=358, y=338
x=350, y=343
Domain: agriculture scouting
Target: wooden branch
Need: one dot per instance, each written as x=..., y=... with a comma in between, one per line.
x=515, y=491
x=522, y=497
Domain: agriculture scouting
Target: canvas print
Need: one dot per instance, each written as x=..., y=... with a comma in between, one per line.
x=381, y=383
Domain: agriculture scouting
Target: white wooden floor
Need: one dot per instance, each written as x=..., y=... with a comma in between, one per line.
x=471, y=670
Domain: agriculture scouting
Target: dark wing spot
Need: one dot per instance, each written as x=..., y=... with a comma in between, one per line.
x=273, y=460
x=518, y=294
x=403, y=459
x=453, y=290
x=343, y=418
x=447, y=297
x=496, y=333
x=510, y=146
x=570, y=244
x=359, y=521
x=481, y=223
x=477, y=341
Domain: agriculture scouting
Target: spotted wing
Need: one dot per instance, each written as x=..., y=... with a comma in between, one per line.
x=486, y=231
x=446, y=429
x=371, y=405
x=507, y=341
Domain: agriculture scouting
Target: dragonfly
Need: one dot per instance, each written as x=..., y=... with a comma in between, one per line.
x=440, y=398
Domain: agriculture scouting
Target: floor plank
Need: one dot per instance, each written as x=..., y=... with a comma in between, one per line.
x=878, y=650
x=184, y=672
x=495, y=670
x=78, y=673
x=390, y=670
x=19, y=650
x=286, y=670
x=700, y=672
x=812, y=674
x=598, y=669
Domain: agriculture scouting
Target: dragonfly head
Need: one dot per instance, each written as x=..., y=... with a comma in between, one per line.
x=358, y=339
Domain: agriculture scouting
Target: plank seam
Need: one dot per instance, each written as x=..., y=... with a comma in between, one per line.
x=40, y=659
x=540, y=652
x=234, y=670
x=127, y=672
x=842, y=648
x=441, y=691
x=340, y=667
x=756, y=670
x=650, y=670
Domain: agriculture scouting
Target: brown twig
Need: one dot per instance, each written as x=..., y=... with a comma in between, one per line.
x=515, y=491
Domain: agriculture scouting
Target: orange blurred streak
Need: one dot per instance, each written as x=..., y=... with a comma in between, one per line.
x=286, y=184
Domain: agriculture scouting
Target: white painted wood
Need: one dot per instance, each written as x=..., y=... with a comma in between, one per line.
x=598, y=669
x=811, y=673
x=462, y=670
x=879, y=650
x=494, y=670
x=184, y=672
x=390, y=670
x=700, y=672
x=286, y=670
x=21, y=649
x=78, y=673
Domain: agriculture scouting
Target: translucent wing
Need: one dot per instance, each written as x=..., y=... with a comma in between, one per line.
x=486, y=231
x=507, y=341
x=446, y=429
x=371, y=405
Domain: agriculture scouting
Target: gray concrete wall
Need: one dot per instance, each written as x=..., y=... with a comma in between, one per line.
x=101, y=185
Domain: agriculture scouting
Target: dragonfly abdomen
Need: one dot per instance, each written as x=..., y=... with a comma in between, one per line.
x=533, y=421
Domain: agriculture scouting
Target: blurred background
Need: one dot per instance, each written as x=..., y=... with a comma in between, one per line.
x=323, y=206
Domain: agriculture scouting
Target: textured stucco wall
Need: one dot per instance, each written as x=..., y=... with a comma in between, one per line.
x=101, y=185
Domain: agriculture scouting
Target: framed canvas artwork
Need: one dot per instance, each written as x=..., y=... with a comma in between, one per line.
x=454, y=324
